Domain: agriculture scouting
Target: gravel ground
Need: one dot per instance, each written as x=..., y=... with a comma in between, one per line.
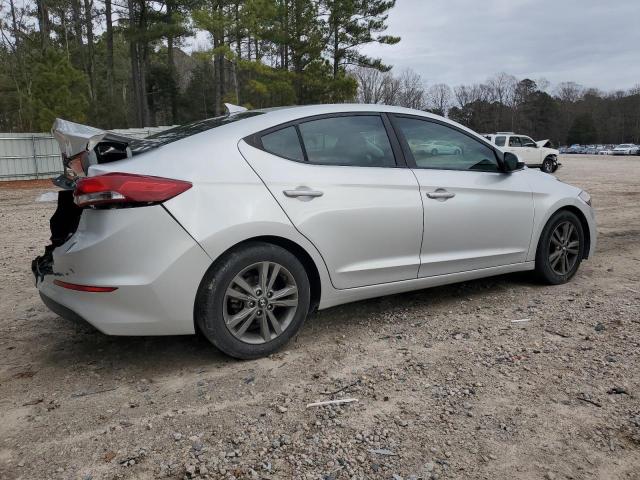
x=447, y=385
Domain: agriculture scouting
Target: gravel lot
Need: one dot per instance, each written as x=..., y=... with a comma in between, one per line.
x=448, y=386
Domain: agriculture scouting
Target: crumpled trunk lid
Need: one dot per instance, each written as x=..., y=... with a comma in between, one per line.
x=80, y=146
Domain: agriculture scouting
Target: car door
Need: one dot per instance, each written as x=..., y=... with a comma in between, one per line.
x=530, y=151
x=475, y=216
x=514, y=145
x=337, y=179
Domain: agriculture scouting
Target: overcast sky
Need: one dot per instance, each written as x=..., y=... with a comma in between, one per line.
x=593, y=42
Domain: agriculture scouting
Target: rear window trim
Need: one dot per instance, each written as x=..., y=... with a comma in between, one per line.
x=255, y=139
x=156, y=140
x=302, y=149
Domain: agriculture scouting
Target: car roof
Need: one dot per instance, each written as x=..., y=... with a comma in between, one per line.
x=273, y=117
x=267, y=118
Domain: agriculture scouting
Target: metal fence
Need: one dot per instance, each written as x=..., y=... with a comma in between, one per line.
x=25, y=156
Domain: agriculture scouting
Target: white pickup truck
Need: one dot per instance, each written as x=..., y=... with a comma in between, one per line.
x=533, y=154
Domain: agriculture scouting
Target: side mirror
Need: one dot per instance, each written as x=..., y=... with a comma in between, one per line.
x=511, y=162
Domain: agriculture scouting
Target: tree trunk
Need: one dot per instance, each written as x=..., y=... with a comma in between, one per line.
x=109, y=41
x=91, y=67
x=171, y=64
x=238, y=31
x=14, y=24
x=43, y=23
x=135, y=66
x=219, y=74
x=144, y=64
x=336, y=49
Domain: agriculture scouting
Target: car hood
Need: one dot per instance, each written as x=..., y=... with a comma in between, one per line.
x=541, y=182
x=542, y=143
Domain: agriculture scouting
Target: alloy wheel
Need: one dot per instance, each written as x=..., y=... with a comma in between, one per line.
x=260, y=302
x=564, y=248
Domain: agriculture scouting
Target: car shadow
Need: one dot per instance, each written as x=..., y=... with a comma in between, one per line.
x=172, y=353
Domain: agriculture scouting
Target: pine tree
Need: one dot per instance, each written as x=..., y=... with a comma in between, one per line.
x=352, y=24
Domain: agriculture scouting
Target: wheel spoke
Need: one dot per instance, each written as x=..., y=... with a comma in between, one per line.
x=555, y=240
x=285, y=303
x=574, y=244
x=555, y=262
x=239, y=317
x=238, y=295
x=572, y=251
x=247, y=323
x=273, y=276
x=285, y=292
x=264, y=328
x=555, y=255
x=565, y=231
x=274, y=322
x=570, y=229
x=242, y=283
x=565, y=264
x=264, y=274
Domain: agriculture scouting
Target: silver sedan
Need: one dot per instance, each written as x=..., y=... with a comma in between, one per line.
x=239, y=226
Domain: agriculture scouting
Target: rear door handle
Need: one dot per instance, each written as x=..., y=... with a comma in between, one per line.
x=302, y=192
x=441, y=195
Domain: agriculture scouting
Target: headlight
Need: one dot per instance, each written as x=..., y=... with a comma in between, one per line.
x=585, y=197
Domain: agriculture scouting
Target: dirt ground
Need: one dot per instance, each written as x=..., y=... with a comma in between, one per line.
x=447, y=385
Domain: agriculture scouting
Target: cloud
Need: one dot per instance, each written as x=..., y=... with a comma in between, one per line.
x=594, y=43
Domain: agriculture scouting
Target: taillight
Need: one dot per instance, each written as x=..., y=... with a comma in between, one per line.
x=126, y=188
x=84, y=288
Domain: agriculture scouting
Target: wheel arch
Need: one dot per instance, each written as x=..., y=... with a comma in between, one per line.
x=583, y=221
x=300, y=253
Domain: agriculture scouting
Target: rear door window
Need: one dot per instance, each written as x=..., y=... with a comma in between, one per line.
x=358, y=141
x=500, y=141
x=515, y=142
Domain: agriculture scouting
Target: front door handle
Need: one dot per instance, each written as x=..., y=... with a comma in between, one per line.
x=302, y=192
x=441, y=194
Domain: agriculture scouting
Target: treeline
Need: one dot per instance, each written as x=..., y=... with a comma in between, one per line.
x=566, y=113
x=118, y=64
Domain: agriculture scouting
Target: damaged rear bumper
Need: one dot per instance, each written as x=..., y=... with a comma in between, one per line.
x=154, y=263
x=61, y=310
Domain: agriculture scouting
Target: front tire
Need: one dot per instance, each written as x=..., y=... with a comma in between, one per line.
x=253, y=300
x=560, y=249
x=548, y=165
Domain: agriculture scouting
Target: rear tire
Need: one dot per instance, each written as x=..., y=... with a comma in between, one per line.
x=560, y=248
x=253, y=300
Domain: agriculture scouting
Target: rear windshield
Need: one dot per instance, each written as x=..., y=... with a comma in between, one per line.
x=184, y=131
